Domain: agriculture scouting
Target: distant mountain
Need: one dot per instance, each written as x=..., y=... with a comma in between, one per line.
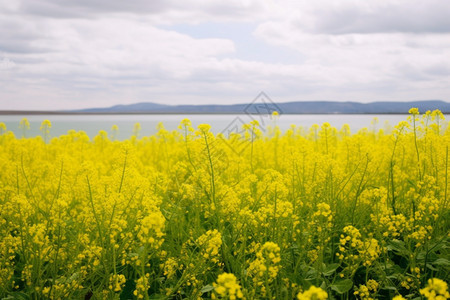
x=137, y=107
x=301, y=107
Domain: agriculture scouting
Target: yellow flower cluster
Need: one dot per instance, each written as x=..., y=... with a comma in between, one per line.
x=227, y=287
x=353, y=248
x=142, y=286
x=267, y=263
x=436, y=289
x=369, y=251
x=170, y=267
x=367, y=291
x=258, y=214
x=363, y=293
x=313, y=293
x=151, y=229
x=116, y=282
x=323, y=213
x=209, y=244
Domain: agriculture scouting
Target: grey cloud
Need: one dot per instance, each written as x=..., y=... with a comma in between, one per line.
x=22, y=47
x=94, y=8
x=439, y=70
x=409, y=17
x=6, y=64
x=17, y=35
x=113, y=50
x=89, y=8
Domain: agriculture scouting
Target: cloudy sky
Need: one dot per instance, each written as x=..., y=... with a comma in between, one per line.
x=65, y=54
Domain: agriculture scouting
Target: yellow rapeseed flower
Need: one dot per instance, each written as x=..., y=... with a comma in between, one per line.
x=227, y=287
x=313, y=293
x=436, y=289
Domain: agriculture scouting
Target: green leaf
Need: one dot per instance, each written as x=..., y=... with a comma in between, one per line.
x=430, y=266
x=17, y=296
x=394, y=276
x=389, y=287
x=330, y=269
x=311, y=274
x=207, y=288
x=441, y=262
x=398, y=246
x=342, y=286
x=391, y=268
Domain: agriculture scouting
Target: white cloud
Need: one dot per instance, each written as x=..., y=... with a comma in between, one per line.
x=392, y=46
x=370, y=16
x=161, y=11
x=6, y=64
x=70, y=54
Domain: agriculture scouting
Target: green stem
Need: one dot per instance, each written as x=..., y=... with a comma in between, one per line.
x=213, y=187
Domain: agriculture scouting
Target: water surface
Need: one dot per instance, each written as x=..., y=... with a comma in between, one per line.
x=91, y=124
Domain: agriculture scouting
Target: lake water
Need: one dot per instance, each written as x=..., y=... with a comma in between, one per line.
x=91, y=124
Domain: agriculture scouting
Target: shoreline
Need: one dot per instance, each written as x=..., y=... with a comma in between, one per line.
x=12, y=113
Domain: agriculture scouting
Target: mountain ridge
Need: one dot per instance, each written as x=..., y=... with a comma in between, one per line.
x=297, y=107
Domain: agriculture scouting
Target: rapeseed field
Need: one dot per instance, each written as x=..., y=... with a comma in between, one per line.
x=318, y=213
